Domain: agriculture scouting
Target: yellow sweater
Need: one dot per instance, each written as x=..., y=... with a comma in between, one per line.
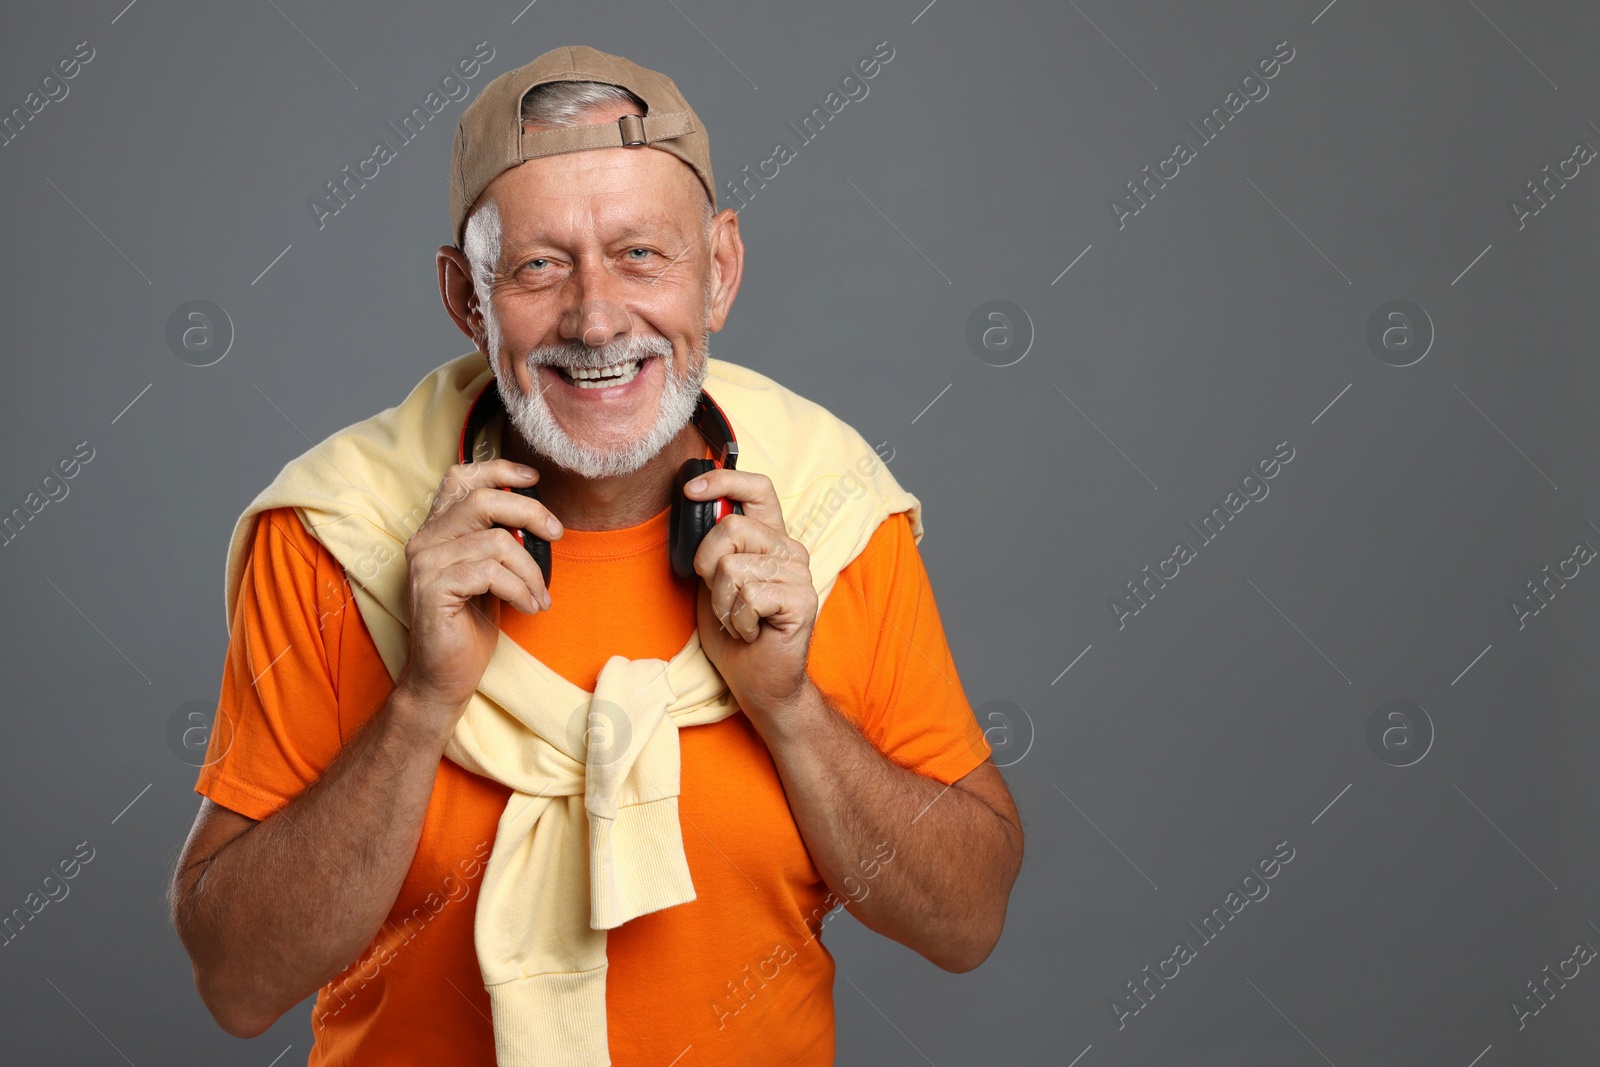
x=588, y=840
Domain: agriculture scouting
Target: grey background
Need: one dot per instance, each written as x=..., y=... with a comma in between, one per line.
x=1227, y=316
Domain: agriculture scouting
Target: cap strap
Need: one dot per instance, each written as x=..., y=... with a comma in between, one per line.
x=629, y=130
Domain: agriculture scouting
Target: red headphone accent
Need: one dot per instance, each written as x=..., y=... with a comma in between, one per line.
x=690, y=520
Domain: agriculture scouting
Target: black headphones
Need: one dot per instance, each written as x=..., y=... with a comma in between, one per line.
x=690, y=520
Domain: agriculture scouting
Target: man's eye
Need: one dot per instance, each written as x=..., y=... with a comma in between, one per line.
x=536, y=263
x=631, y=252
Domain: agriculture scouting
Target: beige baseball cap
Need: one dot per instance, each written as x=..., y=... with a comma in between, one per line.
x=490, y=139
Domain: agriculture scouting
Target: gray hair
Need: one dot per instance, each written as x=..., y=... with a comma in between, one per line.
x=564, y=103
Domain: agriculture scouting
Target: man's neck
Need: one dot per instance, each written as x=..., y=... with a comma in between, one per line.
x=607, y=503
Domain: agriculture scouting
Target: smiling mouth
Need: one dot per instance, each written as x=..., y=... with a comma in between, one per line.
x=600, y=377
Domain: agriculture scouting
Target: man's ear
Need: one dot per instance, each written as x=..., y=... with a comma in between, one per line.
x=726, y=266
x=460, y=296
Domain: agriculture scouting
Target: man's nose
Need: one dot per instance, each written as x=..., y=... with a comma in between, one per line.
x=596, y=314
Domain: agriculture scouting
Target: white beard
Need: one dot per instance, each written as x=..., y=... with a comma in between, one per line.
x=532, y=418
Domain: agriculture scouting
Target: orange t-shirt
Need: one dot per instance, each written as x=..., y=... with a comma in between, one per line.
x=738, y=975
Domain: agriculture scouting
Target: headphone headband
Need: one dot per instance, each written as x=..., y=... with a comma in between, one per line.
x=714, y=426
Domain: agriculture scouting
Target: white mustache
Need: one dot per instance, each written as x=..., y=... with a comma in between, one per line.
x=577, y=356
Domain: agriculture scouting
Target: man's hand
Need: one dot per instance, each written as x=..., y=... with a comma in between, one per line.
x=757, y=603
x=460, y=568
x=957, y=846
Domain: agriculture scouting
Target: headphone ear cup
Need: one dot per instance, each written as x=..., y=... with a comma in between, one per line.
x=537, y=546
x=690, y=520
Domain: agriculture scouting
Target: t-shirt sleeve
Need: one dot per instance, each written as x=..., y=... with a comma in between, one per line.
x=277, y=723
x=878, y=652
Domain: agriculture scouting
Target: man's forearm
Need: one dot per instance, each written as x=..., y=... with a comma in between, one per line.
x=954, y=857
x=284, y=907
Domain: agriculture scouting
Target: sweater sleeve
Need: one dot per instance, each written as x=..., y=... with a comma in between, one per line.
x=277, y=728
x=880, y=656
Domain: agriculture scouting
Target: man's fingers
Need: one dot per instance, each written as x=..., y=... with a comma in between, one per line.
x=732, y=571
x=483, y=507
x=746, y=534
x=491, y=544
x=463, y=478
x=753, y=491
x=467, y=483
x=470, y=578
x=737, y=572
x=781, y=604
x=743, y=618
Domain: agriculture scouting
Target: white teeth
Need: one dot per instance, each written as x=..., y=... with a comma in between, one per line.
x=602, y=377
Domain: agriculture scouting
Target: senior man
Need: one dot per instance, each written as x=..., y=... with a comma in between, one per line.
x=607, y=826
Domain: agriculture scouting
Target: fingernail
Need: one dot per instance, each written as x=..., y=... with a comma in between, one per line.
x=526, y=472
x=696, y=485
x=554, y=527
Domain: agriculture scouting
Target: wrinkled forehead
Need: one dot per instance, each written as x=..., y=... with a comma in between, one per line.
x=607, y=193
